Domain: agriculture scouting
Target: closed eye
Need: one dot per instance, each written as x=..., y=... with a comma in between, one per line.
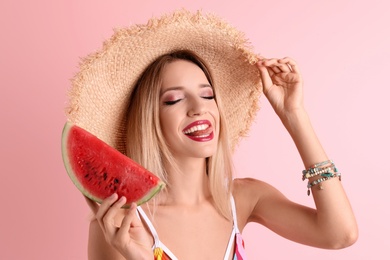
x=209, y=97
x=169, y=103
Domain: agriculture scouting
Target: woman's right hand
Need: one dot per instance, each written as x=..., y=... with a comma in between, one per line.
x=130, y=238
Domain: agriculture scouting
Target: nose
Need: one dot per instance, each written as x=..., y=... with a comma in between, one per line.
x=197, y=107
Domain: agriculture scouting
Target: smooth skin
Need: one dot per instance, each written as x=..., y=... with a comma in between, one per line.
x=186, y=218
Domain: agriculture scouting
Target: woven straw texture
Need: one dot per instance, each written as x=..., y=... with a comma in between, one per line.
x=100, y=91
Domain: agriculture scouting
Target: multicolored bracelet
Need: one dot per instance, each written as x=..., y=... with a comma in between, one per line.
x=319, y=181
x=326, y=169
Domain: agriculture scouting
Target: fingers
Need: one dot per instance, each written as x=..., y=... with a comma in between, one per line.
x=130, y=235
x=276, y=71
x=291, y=63
x=108, y=220
x=279, y=65
x=265, y=75
x=268, y=68
x=130, y=220
x=104, y=207
x=106, y=214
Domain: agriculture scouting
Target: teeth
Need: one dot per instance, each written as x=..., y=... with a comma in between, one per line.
x=196, y=128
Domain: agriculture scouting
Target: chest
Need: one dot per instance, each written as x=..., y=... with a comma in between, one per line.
x=199, y=234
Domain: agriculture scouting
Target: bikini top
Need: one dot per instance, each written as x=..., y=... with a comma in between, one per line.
x=161, y=252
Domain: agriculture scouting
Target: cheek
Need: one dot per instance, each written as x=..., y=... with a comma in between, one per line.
x=167, y=124
x=163, y=123
x=216, y=118
x=215, y=112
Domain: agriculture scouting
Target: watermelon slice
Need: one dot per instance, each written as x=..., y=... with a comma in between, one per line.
x=98, y=170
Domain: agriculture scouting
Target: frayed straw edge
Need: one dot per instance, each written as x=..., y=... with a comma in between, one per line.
x=238, y=41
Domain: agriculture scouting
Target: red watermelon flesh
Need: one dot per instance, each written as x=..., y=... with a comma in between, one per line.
x=98, y=170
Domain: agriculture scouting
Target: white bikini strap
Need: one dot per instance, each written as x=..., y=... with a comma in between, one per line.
x=150, y=226
x=234, y=214
x=234, y=231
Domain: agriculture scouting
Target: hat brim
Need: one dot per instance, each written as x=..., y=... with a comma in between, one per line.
x=99, y=96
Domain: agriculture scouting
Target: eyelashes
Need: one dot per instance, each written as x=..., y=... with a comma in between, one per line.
x=209, y=97
x=172, y=102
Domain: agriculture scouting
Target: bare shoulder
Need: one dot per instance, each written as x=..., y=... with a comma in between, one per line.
x=247, y=183
x=245, y=188
x=248, y=194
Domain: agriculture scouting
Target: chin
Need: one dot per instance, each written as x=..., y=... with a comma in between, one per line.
x=206, y=153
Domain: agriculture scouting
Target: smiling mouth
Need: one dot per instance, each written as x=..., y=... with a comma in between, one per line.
x=200, y=131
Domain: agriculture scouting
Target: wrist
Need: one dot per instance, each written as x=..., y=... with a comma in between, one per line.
x=299, y=126
x=295, y=120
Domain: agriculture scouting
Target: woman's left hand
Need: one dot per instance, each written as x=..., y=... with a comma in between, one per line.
x=282, y=84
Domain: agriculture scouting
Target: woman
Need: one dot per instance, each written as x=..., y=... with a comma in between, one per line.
x=177, y=128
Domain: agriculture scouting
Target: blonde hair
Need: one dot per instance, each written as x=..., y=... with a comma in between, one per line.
x=146, y=144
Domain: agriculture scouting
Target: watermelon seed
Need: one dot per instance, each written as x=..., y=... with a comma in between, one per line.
x=116, y=180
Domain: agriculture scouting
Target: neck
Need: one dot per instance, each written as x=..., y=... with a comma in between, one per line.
x=188, y=184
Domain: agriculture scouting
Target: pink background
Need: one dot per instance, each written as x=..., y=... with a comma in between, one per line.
x=341, y=46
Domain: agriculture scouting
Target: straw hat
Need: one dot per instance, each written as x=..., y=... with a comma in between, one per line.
x=99, y=96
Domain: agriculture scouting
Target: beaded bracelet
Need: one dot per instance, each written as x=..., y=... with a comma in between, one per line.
x=326, y=169
x=318, y=181
x=323, y=172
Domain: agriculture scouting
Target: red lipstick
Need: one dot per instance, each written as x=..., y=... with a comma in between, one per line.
x=200, y=131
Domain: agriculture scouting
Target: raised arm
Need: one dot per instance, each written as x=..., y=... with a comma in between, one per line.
x=332, y=224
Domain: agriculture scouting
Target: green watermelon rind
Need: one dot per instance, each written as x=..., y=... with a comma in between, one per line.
x=65, y=157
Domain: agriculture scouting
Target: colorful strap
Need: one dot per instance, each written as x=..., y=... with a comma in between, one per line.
x=239, y=251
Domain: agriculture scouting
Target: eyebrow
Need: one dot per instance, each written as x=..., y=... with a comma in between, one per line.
x=181, y=87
